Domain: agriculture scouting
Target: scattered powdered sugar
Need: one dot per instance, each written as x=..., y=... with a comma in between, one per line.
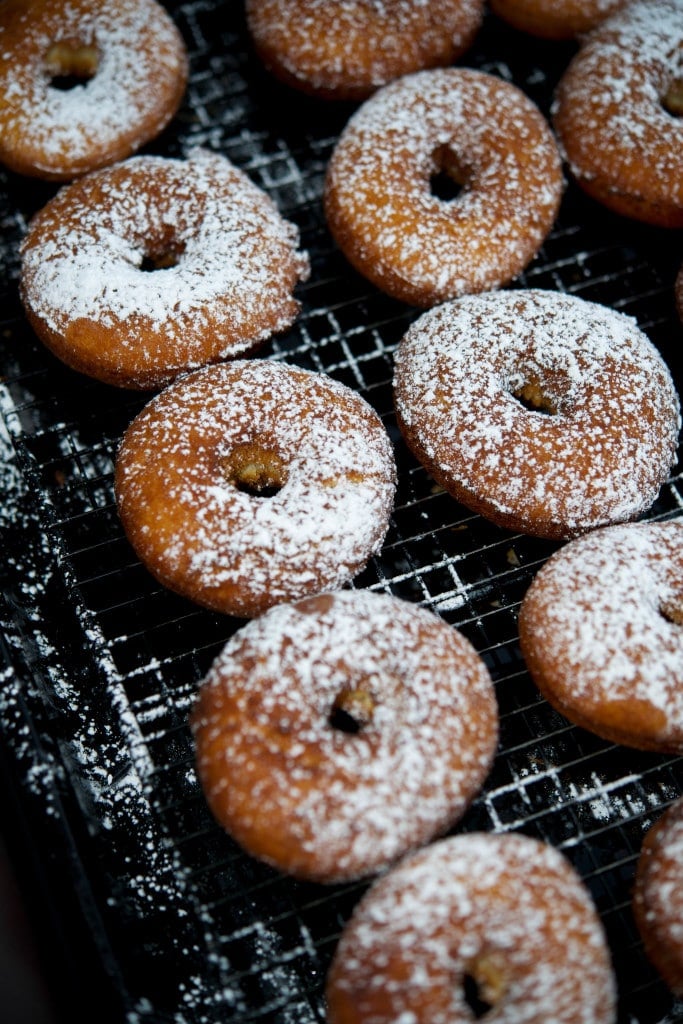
x=610, y=801
x=141, y=60
x=235, y=550
x=12, y=483
x=600, y=457
x=609, y=113
x=381, y=209
x=599, y=625
x=338, y=803
x=506, y=911
x=237, y=264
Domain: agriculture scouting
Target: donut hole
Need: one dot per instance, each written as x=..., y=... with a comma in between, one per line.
x=352, y=711
x=70, y=63
x=534, y=398
x=161, y=259
x=478, y=1006
x=672, y=100
x=672, y=611
x=256, y=469
x=483, y=985
x=448, y=178
x=444, y=187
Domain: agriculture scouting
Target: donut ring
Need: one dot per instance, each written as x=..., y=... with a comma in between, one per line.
x=128, y=61
x=348, y=48
x=249, y=483
x=503, y=917
x=475, y=129
x=555, y=19
x=152, y=267
x=658, y=896
x=544, y=413
x=334, y=734
x=617, y=113
x=601, y=631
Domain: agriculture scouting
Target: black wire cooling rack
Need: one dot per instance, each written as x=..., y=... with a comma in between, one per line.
x=99, y=665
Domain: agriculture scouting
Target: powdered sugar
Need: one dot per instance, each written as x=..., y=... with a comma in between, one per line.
x=233, y=550
x=597, y=629
x=312, y=798
x=600, y=456
x=408, y=241
x=507, y=911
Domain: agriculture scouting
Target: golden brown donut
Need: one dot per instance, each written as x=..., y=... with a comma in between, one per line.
x=617, y=113
x=379, y=198
x=345, y=49
x=144, y=270
x=601, y=631
x=336, y=733
x=85, y=83
x=495, y=927
x=658, y=896
x=555, y=19
x=253, y=482
x=541, y=411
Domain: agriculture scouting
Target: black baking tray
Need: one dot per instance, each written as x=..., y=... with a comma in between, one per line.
x=140, y=900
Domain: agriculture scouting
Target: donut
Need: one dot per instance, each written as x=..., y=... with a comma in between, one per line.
x=384, y=196
x=336, y=733
x=541, y=411
x=601, y=631
x=617, y=113
x=555, y=19
x=658, y=896
x=249, y=483
x=85, y=83
x=345, y=49
x=474, y=926
x=144, y=270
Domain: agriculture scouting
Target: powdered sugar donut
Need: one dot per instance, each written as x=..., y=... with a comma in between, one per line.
x=658, y=896
x=253, y=482
x=334, y=734
x=345, y=49
x=541, y=411
x=474, y=926
x=85, y=83
x=601, y=630
x=482, y=133
x=555, y=19
x=152, y=267
x=617, y=113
